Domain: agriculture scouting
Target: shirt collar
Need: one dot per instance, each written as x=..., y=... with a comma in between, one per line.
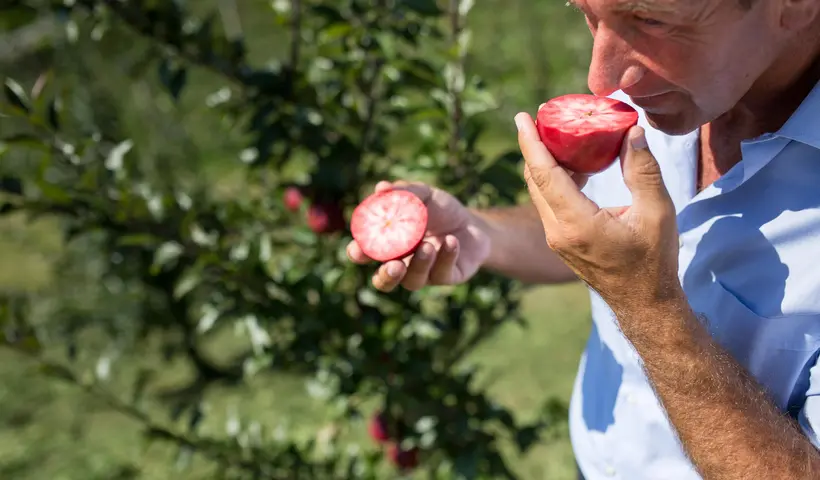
x=803, y=126
x=758, y=152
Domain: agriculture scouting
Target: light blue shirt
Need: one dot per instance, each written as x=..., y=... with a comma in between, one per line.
x=749, y=261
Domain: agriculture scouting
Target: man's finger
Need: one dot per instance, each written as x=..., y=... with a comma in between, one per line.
x=580, y=179
x=421, y=190
x=442, y=271
x=382, y=186
x=418, y=271
x=544, y=210
x=355, y=253
x=553, y=182
x=389, y=276
x=641, y=171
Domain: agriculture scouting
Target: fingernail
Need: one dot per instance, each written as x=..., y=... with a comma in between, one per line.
x=639, y=140
x=518, y=123
x=393, y=270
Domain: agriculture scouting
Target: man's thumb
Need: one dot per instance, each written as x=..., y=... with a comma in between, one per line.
x=641, y=171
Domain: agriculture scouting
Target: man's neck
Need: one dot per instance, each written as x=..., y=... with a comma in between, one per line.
x=777, y=93
x=768, y=105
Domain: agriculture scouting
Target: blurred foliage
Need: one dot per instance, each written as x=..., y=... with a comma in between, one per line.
x=177, y=236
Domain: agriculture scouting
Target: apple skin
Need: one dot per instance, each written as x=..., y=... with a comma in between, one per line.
x=377, y=428
x=293, y=199
x=325, y=218
x=403, y=459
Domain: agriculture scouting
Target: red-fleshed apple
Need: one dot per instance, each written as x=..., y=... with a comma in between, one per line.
x=389, y=225
x=584, y=133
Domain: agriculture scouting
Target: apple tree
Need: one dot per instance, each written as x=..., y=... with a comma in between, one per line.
x=166, y=260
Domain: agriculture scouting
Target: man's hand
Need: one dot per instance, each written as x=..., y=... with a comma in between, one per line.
x=453, y=250
x=629, y=254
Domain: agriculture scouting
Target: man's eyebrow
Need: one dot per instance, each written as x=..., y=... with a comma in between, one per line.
x=637, y=6
x=647, y=6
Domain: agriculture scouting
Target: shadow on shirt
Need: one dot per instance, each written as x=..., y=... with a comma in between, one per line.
x=734, y=262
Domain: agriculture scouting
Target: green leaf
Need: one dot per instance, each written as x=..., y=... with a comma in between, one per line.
x=28, y=343
x=16, y=96
x=178, y=81
x=337, y=31
x=114, y=161
x=25, y=140
x=466, y=465
x=184, y=457
x=173, y=79
x=187, y=283
x=138, y=240
x=16, y=15
x=197, y=415
x=331, y=278
x=465, y=6
x=53, y=113
x=57, y=371
x=54, y=193
x=426, y=424
x=143, y=378
x=165, y=255
x=102, y=369
x=210, y=315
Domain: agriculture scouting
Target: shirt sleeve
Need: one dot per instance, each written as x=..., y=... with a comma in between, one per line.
x=809, y=416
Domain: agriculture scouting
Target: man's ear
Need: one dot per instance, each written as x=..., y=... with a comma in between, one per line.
x=799, y=14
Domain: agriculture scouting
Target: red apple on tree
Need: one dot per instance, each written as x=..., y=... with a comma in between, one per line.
x=403, y=459
x=325, y=217
x=377, y=428
x=293, y=199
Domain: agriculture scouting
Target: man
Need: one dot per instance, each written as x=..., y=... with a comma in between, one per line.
x=702, y=361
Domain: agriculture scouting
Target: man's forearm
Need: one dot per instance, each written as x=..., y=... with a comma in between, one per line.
x=726, y=422
x=519, y=247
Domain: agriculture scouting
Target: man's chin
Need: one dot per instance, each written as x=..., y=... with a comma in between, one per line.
x=674, y=124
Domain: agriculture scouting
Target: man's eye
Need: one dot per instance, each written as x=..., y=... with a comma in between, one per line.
x=650, y=22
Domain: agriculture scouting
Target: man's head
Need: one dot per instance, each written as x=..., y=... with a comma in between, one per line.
x=686, y=62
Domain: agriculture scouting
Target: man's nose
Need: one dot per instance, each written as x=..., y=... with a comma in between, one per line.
x=612, y=67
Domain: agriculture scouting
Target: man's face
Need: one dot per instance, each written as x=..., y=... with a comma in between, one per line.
x=685, y=62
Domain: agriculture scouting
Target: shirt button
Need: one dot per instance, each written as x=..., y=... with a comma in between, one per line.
x=610, y=471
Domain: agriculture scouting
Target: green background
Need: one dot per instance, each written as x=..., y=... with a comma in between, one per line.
x=526, y=51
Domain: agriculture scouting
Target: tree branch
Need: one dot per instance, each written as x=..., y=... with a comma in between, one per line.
x=456, y=118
